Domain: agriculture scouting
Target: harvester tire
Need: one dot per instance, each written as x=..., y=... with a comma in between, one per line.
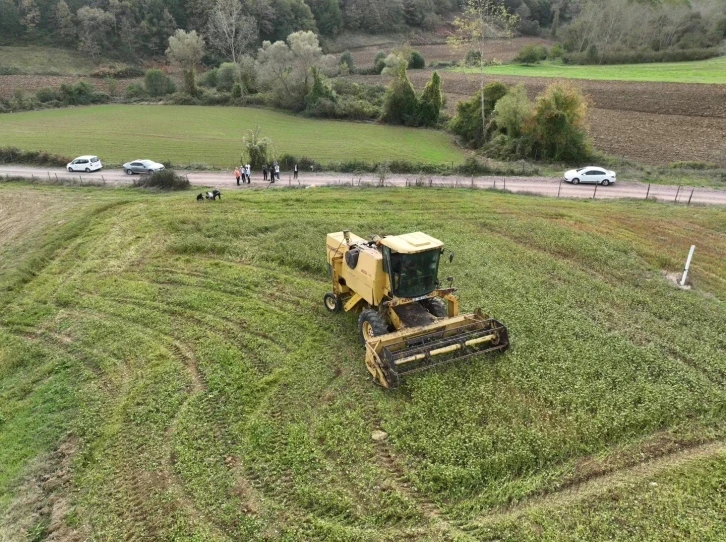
x=371, y=324
x=331, y=302
x=437, y=307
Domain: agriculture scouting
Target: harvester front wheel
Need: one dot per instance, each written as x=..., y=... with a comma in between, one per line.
x=371, y=324
x=437, y=307
x=331, y=302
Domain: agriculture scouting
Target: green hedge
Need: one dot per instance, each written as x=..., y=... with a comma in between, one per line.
x=641, y=57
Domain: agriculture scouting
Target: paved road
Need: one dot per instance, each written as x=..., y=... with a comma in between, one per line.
x=534, y=185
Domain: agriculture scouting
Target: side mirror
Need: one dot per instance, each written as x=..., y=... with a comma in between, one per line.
x=451, y=257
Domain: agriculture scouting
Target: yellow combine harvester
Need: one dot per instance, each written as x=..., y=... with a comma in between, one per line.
x=408, y=322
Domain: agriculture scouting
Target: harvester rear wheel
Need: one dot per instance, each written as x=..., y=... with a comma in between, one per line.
x=437, y=307
x=331, y=302
x=371, y=324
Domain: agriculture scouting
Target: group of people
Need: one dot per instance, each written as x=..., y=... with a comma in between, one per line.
x=242, y=173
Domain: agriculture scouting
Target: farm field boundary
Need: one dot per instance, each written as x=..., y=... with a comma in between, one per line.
x=213, y=135
x=712, y=71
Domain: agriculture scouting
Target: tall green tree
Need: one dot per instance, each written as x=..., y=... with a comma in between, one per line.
x=431, y=102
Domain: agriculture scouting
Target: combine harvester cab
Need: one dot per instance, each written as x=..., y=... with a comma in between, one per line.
x=407, y=322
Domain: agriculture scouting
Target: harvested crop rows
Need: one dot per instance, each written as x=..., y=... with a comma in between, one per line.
x=651, y=123
x=184, y=352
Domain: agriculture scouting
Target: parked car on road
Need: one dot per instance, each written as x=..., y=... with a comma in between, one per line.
x=85, y=163
x=592, y=175
x=142, y=166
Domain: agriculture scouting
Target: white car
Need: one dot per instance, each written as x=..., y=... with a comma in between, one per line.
x=592, y=175
x=85, y=163
x=142, y=166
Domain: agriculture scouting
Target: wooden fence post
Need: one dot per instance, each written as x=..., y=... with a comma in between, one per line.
x=648, y=192
x=677, y=192
x=559, y=189
x=691, y=196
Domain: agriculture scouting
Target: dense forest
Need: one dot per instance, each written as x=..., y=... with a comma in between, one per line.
x=134, y=29
x=142, y=27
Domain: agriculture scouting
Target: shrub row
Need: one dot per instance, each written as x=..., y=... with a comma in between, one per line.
x=13, y=155
x=471, y=166
x=118, y=72
x=641, y=57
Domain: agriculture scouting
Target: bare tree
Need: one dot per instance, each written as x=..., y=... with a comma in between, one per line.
x=482, y=20
x=229, y=30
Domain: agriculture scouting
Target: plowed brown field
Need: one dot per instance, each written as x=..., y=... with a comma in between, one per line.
x=651, y=123
x=502, y=50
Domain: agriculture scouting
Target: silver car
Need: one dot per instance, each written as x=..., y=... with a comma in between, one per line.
x=592, y=175
x=142, y=166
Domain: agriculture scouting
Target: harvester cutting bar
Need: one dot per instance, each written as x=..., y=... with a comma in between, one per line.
x=417, y=349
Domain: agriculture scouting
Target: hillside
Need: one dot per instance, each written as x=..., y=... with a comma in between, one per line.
x=167, y=370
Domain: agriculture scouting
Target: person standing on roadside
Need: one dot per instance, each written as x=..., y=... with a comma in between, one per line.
x=248, y=170
x=236, y=175
x=294, y=172
x=264, y=172
x=277, y=172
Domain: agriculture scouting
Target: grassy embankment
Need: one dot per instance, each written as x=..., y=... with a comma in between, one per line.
x=213, y=135
x=34, y=59
x=179, y=356
x=711, y=71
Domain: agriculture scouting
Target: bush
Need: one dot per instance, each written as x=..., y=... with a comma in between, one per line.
x=347, y=59
x=557, y=51
x=557, y=126
x=237, y=91
x=13, y=155
x=468, y=122
x=256, y=149
x=531, y=54
x=157, y=83
x=82, y=93
x=379, y=63
x=472, y=58
x=227, y=76
x=166, y=179
x=287, y=161
x=119, y=72
x=512, y=110
x=134, y=90
x=210, y=78
x=46, y=95
x=416, y=62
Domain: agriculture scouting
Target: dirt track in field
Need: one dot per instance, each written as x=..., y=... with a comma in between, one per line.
x=651, y=123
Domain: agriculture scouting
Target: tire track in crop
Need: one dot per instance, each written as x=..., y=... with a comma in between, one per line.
x=396, y=475
x=599, y=484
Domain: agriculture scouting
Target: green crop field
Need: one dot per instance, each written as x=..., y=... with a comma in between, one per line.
x=33, y=59
x=213, y=135
x=168, y=372
x=711, y=71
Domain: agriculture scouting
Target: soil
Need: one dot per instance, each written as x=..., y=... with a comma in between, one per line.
x=30, y=84
x=650, y=123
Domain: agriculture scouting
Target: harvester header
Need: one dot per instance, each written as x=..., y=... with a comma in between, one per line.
x=407, y=322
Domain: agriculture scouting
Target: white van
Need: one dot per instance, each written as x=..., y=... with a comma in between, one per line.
x=85, y=163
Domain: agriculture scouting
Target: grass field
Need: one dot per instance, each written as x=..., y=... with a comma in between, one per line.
x=168, y=372
x=35, y=59
x=213, y=135
x=711, y=71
